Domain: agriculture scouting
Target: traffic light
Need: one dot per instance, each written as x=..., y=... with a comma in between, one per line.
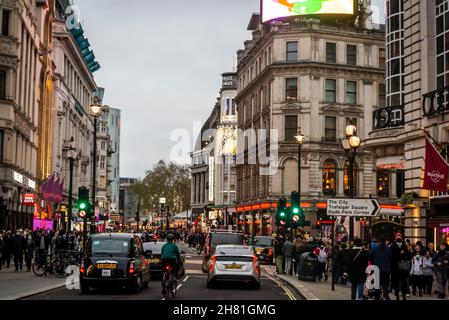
x=282, y=212
x=297, y=216
x=84, y=207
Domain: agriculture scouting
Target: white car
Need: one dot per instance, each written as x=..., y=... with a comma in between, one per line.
x=234, y=263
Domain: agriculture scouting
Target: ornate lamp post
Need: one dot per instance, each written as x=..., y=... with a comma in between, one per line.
x=72, y=155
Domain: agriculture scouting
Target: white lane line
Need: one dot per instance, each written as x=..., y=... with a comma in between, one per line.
x=178, y=287
x=186, y=278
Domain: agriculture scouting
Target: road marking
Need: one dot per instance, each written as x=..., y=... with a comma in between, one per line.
x=186, y=278
x=193, y=271
x=178, y=287
x=287, y=290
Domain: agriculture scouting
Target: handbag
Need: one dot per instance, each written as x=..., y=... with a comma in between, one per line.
x=404, y=265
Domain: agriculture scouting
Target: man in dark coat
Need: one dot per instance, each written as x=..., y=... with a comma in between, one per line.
x=397, y=247
x=18, y=250
x=8, y=249
x=356, y=269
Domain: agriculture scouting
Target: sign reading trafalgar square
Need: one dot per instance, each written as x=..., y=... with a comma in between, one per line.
x=353, y=207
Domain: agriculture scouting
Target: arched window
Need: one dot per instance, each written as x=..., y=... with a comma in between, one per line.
x=346, y=179
x=330, y=178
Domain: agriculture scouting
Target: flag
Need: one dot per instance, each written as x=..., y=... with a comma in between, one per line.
x=436, y=170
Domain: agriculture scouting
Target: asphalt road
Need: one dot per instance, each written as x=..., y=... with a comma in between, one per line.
x=191, y=287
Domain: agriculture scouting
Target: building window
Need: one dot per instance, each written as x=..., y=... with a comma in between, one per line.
x=442, y=43
x=291, y=89
x=382, y=58
x=2, y=84
x=102, y=182
x=383, y=184
x=291, y=127
x=351, y=92
x=5, y=22
x=292, y=51
x=234, y=107
x=1, y=146
x=382, y=95
x=330, y=134
x=102, y=162
x=346, y=185
x=103, y=145
x=351, y=54
x=331, y=91
x=228, y=106
x=400, y=183
x=329, y=178
x=331, y=52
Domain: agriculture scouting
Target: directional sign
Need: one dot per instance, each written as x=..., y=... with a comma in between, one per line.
x=353, y=207
x=162, y=201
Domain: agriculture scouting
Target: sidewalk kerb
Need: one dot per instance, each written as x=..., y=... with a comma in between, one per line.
x=33, y=293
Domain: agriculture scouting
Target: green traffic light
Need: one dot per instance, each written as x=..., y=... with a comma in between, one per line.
x=295, y=210
x=282, y=214
x=83, y=206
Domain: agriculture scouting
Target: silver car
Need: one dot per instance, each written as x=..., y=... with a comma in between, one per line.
x=234, y=263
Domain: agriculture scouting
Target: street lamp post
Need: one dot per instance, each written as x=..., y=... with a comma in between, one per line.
x=300, y=140
x=95, y=112
x=351, y=144
x=72, y=156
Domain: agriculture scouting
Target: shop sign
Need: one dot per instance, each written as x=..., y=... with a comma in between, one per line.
x=391, y=163
x=31, y=184
x=18, y=177
x=28, y=199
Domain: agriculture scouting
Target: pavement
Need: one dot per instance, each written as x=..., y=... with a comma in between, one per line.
x=22, y=284
x=323, y=290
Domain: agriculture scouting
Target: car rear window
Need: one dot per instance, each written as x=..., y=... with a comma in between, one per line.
x=155, y=247
x=226, y=238
x=110, y=247
x=265, y=242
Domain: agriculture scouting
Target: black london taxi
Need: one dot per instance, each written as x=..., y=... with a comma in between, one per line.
x=115, y=260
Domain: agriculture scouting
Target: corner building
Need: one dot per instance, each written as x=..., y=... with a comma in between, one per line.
x=305, y=74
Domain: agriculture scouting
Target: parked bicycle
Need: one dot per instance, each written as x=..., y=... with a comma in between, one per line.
x=55, y=264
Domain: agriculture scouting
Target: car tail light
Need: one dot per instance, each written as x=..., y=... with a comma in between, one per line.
x=82, y=269
x=131, y=268
x=212, y=264
x=256, y=264
x=270, y=251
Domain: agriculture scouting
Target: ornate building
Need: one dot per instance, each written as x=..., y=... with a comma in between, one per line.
x=317, y=77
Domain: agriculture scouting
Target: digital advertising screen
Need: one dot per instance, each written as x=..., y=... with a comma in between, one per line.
x=274, y=9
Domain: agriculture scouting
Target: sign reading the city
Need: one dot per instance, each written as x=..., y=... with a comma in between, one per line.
x=353, y=207
x=273, y=9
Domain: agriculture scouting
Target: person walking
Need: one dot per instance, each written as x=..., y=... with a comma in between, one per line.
x=403, y=269
x=397, y=247
x=18, y=250
x=321, y=254
x=381, y=257
x=441, y=265
x=427, y=270
x=416, y=273
x=287, y=251
x=356, y=269
x=8, y=248
x=298, y=250
x=2, y=246
x=278, y=256
x=29, y=250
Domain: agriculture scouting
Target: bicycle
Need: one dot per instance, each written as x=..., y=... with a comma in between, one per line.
x=56, y=264
x=169, y=282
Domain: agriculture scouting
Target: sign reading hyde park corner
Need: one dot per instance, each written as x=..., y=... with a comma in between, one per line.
x=353, y=207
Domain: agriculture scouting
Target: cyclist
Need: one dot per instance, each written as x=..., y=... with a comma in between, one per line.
x=170, y=255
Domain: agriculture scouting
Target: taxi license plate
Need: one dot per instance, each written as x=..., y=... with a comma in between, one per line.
x=154, y=261
x=109, y=266
x=233, y=267
x=106, y=273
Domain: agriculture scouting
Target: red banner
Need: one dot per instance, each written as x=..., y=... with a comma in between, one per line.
x=436, y=170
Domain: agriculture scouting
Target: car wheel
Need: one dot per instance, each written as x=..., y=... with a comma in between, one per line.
x=145, y=284
x=135, y=285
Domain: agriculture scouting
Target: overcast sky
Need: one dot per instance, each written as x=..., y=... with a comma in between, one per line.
x=161, y=64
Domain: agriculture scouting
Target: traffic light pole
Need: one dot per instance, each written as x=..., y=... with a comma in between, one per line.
x=70, y=210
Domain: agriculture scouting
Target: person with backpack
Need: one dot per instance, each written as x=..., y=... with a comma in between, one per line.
x=356, y=269
x=403, y=268
x=321, y=254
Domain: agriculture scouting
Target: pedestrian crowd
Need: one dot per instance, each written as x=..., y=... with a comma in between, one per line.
x=24, y=245
x=405, y=268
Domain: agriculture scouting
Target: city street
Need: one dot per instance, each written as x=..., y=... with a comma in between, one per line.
x=192, y=287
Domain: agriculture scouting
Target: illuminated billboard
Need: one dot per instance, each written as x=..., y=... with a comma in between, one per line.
x=273, y=9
